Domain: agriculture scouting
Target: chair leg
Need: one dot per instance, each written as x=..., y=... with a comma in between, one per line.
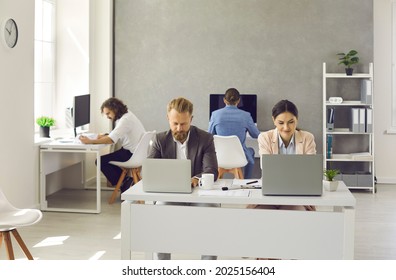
x=221, y=173
x=117, y=187
x=240, y=173
x=8, y=245
x=136, y=178
x=22, y=244
x=136, y=175
x=237, y=172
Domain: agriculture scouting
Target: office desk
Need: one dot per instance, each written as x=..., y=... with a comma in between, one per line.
x=55, y=156
x=236, y=231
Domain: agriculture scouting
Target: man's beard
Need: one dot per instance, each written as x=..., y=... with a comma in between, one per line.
x=180, y=136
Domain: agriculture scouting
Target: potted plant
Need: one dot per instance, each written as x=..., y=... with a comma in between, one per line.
x=348, y=60
x=45, y=123
x=329, y=182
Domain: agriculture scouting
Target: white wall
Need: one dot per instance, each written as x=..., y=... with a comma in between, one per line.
x=18, y=173
x=101, y=60
x=385, y=151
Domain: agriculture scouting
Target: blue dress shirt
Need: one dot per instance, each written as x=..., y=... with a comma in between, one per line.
x=231, y=120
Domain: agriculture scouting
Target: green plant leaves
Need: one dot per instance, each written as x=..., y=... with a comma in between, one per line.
x=45, y=121
x=348, y=59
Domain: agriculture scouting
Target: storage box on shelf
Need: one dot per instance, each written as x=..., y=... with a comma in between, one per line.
x=348, y=127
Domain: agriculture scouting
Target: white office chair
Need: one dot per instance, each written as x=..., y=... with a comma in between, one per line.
x=134, y=164
x=10, y=219
x=230, y=155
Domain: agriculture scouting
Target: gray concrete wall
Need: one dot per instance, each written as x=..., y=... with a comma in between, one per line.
x=275, y=48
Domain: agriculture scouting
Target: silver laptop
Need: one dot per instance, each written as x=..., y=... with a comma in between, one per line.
x=166, y=175
x=292, y=174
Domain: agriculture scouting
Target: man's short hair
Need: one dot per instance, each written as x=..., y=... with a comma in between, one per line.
x=232, y=96
x=181, y=105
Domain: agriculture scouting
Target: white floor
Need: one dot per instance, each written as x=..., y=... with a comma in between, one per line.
x=74, y=236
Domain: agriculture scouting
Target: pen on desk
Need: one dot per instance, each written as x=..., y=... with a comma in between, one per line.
x=230, y=188
x=251, y=182
x=250, y=187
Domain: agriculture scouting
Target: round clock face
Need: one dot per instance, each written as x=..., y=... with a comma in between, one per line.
x=10, y=33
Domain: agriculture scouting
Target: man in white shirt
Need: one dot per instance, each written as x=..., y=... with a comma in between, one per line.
x=128, y=130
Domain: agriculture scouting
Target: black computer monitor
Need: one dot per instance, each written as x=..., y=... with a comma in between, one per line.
x=81, y=111
x=248, y=103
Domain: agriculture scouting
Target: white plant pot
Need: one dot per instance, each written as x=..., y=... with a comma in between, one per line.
x=330, y=186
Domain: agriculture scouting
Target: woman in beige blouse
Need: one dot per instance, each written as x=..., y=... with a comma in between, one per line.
x=285, y=138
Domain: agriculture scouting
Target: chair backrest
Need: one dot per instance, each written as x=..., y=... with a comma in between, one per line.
x=5, y=205
x=142, y=149
x=229, y=152
x=10, y=216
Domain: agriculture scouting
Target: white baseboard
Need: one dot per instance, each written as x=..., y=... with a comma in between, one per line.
x=386, y=180
x=92, y=180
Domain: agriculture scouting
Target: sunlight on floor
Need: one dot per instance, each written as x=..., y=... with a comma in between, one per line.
x=97, y=255
x=52, y=241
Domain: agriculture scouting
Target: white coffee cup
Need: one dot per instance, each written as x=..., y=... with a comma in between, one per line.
x=206, y=181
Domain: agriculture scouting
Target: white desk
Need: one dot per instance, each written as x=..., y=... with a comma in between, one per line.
x=236, y=231
x=55, y=156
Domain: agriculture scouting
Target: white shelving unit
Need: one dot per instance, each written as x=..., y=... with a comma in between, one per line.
x=351, y=151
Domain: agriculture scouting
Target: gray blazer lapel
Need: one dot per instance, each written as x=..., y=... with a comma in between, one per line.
x=192, y=145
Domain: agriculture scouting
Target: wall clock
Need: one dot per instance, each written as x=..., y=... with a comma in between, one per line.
x=10, y=32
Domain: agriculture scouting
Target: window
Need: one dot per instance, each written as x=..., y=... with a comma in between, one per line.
x=44, y=58
x=61, y=57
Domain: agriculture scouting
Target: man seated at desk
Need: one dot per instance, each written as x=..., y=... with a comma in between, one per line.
x=128, y=130
x=231, y=120
x=184, y=141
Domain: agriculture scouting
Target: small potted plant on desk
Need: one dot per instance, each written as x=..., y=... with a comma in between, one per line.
x=348, y=60
x=329, y=183
x=45, y=123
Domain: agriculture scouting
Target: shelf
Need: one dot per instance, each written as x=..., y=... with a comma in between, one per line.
x=345, y=131
x=358, y=104
x=359, y=188
x=351, y=157
x=354, y=76
x=349, y=103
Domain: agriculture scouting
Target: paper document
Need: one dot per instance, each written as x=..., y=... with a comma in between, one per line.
x=91, y=136
x=254, y=183
x=240, y=193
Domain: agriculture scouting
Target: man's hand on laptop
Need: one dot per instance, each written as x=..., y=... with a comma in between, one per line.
x=194, y=181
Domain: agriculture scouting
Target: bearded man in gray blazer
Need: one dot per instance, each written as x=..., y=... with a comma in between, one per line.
x=184, y=141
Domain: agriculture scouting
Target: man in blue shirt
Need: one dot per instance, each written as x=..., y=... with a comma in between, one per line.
x=231, y=120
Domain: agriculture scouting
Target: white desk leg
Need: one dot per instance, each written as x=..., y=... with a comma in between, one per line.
x=43, y=198
x=126, y=230
x=98, y=193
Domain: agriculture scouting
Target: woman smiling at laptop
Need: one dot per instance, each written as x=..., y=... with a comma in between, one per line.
x=286, y=138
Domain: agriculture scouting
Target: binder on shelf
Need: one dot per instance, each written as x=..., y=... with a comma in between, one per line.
x=362, y=120
x=369, y=120
x=329, y=145
x=366, y=91
x=355, y=120
x=330, y=119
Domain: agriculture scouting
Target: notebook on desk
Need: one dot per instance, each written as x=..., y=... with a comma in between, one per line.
x=166, y=175
x=292, y=174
